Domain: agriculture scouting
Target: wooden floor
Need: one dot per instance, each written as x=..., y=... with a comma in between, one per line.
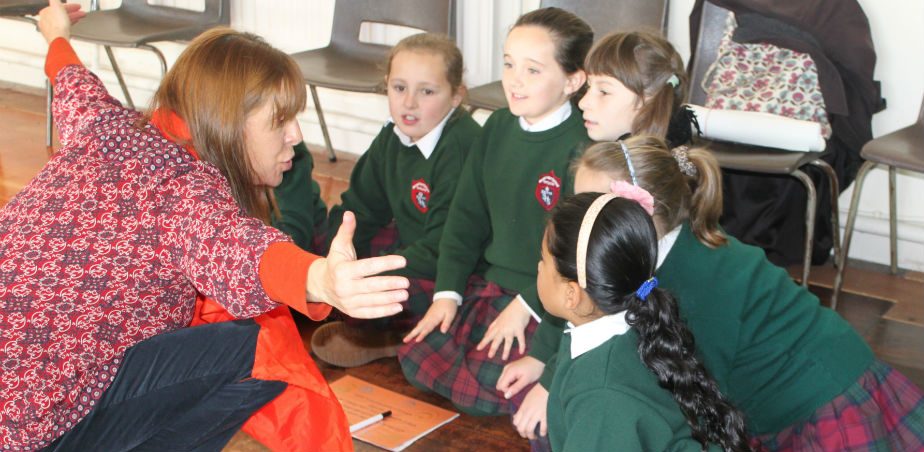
x=888, y=311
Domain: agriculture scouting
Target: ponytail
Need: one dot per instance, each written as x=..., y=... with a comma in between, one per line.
x=706, y=203
x=666, y=347
x=693, y=193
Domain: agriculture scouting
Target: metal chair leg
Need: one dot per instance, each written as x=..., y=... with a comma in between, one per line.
x=835, y=207
x=893, y=225
x=118, y=73
x=848, y=230
x=317, y=107
x=160, y=57
x=810, y=204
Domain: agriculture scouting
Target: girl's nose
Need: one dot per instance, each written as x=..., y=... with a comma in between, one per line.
x=410, y=100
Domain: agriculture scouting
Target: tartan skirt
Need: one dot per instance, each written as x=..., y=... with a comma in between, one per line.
x=882, y=411
x=449, y=363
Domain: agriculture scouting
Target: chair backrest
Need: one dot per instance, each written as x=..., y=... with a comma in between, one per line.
x=605, y=16
x=711, y=28
x=429, y=15
x=216, y=12
x=18, y=8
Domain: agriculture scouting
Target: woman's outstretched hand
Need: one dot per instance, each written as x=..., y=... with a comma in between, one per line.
x=350, y=285
x=55, y=20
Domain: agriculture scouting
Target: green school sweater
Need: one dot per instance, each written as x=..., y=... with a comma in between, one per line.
x=775, y=352
x=510, y=182
x=606, y=399
x=298, y=197
x=394, y=182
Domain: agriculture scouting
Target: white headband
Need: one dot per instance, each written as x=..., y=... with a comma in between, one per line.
x=584, y=235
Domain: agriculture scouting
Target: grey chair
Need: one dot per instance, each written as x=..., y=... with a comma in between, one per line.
x=603, y=17
x=757, y=159
x=20, y=10
x=136, y=24
x=348, y=64
x=903, y=149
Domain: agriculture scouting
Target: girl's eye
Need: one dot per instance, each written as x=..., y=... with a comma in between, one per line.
x=603, y=93
x=507, y=65
x=533, y=71
x=428, y=91
x=398, y=88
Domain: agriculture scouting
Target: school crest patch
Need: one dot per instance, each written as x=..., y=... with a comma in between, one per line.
x=548, y=189
x=420, y=194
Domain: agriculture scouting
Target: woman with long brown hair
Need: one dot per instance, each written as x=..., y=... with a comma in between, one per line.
x=103, y=253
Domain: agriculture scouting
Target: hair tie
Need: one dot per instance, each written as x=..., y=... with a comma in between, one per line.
x=584, y=235
x=683, y=160
x=645, y=289
x=674, y=81
x=635, y=193
x=625, y=152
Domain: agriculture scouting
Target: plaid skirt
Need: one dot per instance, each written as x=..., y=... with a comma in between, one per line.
x=450, y=365
x=882, y=411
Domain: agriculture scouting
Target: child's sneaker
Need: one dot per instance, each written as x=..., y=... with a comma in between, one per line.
x=342, y=345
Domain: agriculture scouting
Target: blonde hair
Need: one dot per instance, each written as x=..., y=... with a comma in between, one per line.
x=677, y=197
x=222, y=77
x=644, y=62
x=436, y=44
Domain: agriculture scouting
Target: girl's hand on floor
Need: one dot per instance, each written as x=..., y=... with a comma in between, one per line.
x=533, y=412
x=441, y=313
x=510, y=324
x=519, y=374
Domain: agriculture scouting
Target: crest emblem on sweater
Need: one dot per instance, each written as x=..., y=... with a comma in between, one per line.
x=548, y=189
x=420, y=194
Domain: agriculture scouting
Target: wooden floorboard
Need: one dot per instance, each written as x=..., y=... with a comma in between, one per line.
x=888, y=311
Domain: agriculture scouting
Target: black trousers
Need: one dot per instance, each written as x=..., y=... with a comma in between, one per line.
x=187, y=390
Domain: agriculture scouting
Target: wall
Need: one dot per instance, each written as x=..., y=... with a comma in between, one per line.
x=897, y=26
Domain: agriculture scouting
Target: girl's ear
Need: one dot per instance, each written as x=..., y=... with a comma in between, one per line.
x=459, y=95
x=573, y=295
x=575, y=81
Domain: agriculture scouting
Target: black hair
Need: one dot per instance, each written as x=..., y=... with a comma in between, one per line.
x=572, y=35
x=621, y=255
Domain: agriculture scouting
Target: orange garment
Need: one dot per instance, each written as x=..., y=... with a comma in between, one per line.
x=307, y=415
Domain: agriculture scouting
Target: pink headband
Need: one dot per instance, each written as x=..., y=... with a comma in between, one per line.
x=584, y=235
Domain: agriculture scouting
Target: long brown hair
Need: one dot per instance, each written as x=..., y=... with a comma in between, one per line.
x=677, y=196
x=644, y=62
x=222, y=77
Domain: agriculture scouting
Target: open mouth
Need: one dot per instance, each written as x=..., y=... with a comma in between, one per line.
x=409, y=120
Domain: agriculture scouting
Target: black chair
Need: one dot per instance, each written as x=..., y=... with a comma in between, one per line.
x=757, y=159
x=904, y=149
x=603, y=17
x=21, y=10
x=348, y=64
x=136, y=24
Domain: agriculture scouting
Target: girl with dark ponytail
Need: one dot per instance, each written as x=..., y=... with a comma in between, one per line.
x=628, y=352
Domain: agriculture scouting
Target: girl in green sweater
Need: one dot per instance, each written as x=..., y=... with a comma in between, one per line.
x=401, y=188
x=627, y=376
x=802, y=376
x=485, y=307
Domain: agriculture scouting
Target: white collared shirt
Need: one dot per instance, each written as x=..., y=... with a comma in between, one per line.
x=553, y=119
x=665, y=244
x=592, y=334
x=427, y=143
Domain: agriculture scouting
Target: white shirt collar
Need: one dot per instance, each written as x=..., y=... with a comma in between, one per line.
x=427, y=143
x=665, y=244
x=592, y=334
x=553, y=119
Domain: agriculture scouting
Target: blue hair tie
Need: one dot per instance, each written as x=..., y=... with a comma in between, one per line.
x=625, y=152
x=646, y=288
